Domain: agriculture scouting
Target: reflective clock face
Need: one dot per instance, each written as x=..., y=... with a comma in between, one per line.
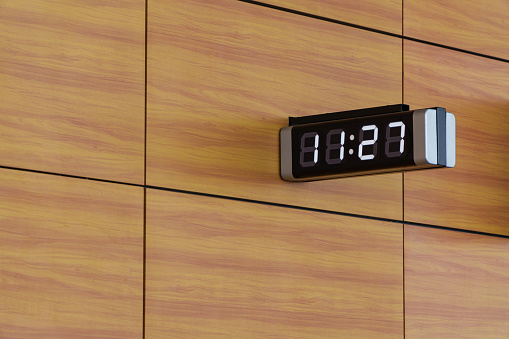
x=352, y=145
x=372, y=144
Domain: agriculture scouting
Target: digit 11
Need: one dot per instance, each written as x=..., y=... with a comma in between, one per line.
x=309, y=149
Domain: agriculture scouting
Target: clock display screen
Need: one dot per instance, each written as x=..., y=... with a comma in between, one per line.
x=371, y=143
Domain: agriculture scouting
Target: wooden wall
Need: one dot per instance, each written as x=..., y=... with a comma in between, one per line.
x=139, y=171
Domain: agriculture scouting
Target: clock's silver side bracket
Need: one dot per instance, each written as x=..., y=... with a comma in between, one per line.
x=451, y=139
x=285, y=153
x=434, y=138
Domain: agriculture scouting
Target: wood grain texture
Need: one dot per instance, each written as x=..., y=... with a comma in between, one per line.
x=223, y=78
x=71, y=258
x=455, y=285
x=473, y=195
x=218, y=268
x=480, y=26
x=72, y=75
x=382, y=15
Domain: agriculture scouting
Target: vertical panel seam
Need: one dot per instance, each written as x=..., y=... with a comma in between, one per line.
x=145, y=179
x=146, y=91
x=144, y=259
x=404, y=285
x=403, y=174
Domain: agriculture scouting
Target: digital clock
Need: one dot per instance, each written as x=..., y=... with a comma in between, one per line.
x=367, y=142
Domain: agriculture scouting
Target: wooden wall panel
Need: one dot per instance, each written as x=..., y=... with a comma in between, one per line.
x=223, y=78
x=480, y=26
x=72, y=75
x=71, y=258
x=473, y=195
x=382, y=15
x=455, y=284
x=219, y=268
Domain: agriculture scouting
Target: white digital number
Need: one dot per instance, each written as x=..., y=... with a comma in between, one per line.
x=337, y=147
x=309, y=149
x=368, y=142
x=392, y=139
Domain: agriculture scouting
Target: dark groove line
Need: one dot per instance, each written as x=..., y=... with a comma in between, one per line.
x=403, y=283
x=260, y=202
x=145, y=180
x=374, y=30
x=403, y=173
x=318, y=210
x=146, y=92
x=72, y=176
x=322, y=18
x=456, y=49
x=144, y=260
x=275, y=204
x=446, y=228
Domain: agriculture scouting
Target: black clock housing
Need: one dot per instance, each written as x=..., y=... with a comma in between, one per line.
x=366, y=142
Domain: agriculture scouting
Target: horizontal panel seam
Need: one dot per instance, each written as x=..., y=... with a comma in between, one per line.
x=259, y=202
x=322, y=18
x=374, y=30
x=72, y=176
x=455, y=49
